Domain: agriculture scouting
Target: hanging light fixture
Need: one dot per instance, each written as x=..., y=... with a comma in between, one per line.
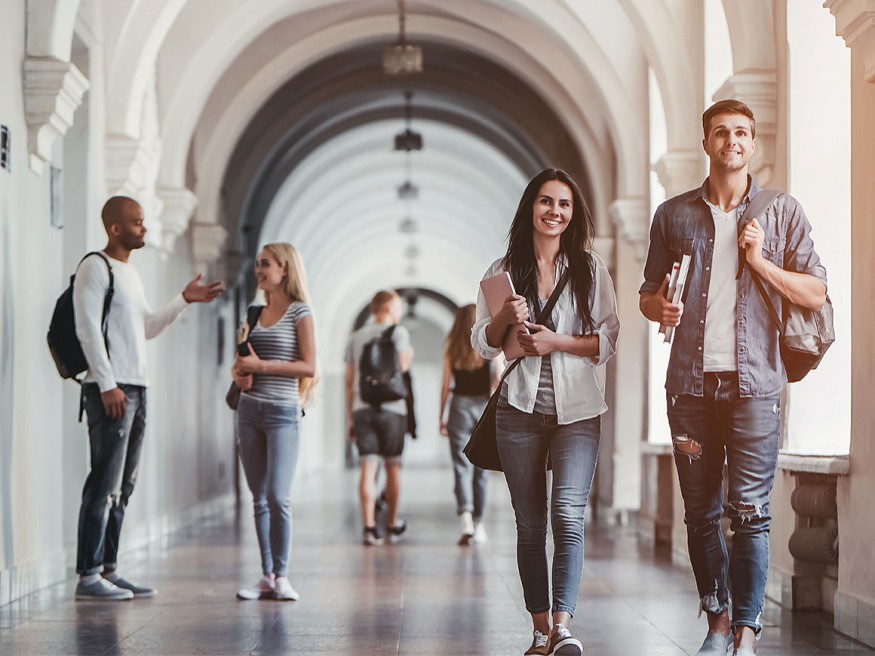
x=402, y=58
x=408, y=139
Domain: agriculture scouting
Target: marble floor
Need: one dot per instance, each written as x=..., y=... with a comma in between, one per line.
x=420, y=597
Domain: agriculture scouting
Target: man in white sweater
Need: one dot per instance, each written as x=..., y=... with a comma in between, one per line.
x=114, y=391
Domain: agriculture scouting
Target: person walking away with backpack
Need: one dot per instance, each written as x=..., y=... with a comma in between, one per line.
x=470, y=379
x=552, y=402
x=376, y=412
x=114, y=392
x=275, y=378
x=725, y=374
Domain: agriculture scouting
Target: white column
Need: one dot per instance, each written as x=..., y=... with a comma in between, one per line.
x=855, y=598
x=680, y=170
x=631, y=217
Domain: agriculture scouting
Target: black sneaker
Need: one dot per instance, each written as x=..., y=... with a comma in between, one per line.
x=562, y=643
x=371, y=537
x=395, y=532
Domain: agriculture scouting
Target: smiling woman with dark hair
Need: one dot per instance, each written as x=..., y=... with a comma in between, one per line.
x=552, y=402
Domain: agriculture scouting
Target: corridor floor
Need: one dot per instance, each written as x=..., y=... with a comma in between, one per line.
x=421, y=597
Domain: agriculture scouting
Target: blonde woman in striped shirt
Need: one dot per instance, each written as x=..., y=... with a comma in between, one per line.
x=275, y=379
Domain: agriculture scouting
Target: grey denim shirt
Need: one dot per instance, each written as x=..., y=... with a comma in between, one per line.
x=684, y=224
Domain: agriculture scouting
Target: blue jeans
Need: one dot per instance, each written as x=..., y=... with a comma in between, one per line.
x=115, y=455
x=746, y=433
x=267, y=435
x=470, y=481
x=524, y=441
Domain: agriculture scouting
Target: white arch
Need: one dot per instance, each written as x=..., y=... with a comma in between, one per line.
x=564, y=94
x=134, y=35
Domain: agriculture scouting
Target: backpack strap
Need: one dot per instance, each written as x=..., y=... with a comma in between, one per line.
x=107, y=301
x=759, y=204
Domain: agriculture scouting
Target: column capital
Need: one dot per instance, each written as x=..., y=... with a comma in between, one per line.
x=855, y=23
x=53, y=90
x=128, y=160
x=178, y=206
x=631, y=216
x=680, y=170
x=207, y=240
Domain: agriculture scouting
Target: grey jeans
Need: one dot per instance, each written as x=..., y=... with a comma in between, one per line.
x=524, y=441
x=267, y=435
x=116, y=445
x=470, y=481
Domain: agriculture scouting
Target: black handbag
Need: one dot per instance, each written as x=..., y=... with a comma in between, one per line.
x=482, y=448
x=232, y=396
x=805, y=334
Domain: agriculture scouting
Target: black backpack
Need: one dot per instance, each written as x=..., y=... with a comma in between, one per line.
x=63, y=343
x=380, y=376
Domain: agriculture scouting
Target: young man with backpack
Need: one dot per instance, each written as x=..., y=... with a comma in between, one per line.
x=114, y=390
x=726, y=373
x=377, y=355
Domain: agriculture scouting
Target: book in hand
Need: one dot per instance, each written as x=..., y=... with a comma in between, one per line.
x=675, y=291
x=495, y=290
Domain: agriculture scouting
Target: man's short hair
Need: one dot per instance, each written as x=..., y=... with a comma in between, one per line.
x=114, y=209
x=382, y=298
x=730, y=106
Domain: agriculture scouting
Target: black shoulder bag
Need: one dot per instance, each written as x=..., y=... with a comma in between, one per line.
x=482, y=448
x=805, y=334
x=232, y=397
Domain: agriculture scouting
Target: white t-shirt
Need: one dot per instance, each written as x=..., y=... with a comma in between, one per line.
x=721, y=332
x=131, y=322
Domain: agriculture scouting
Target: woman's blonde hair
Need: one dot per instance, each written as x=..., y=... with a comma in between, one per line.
x=295, y=288
x=458, y=347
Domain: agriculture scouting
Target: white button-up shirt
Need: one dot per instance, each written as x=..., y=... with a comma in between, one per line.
x=578, y=382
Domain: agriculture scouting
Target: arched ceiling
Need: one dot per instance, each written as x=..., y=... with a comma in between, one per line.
x=347, y=90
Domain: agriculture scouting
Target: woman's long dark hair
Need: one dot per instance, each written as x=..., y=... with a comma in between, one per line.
x=573, y=244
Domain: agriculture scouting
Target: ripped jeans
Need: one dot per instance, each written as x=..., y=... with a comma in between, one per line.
x=746, y=433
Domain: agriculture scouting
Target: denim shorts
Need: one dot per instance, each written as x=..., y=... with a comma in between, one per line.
x=379, y=433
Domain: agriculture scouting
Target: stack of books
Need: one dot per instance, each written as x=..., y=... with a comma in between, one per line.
x=675, y=292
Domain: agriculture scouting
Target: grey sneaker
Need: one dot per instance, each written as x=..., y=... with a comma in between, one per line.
x=140, y=591
x=539, y=645
x=101, y=590
x=744, y=651
x=562, y=643
x=716, y=644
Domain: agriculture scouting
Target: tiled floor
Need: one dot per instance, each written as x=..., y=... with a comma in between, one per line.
x=424, y=596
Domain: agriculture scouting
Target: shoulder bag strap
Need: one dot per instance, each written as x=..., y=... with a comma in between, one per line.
x=757, y=206
x=542, y=316
x=253, y=312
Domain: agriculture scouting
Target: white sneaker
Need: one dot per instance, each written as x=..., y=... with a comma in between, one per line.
x=285, y=591
x=101, y=590
x=264, y=589
x=467, y=528
x=480, y=535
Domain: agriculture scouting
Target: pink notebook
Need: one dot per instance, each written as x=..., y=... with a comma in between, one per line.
x=495, y=290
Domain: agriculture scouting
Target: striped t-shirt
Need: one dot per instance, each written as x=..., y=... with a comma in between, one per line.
x=278, y=342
